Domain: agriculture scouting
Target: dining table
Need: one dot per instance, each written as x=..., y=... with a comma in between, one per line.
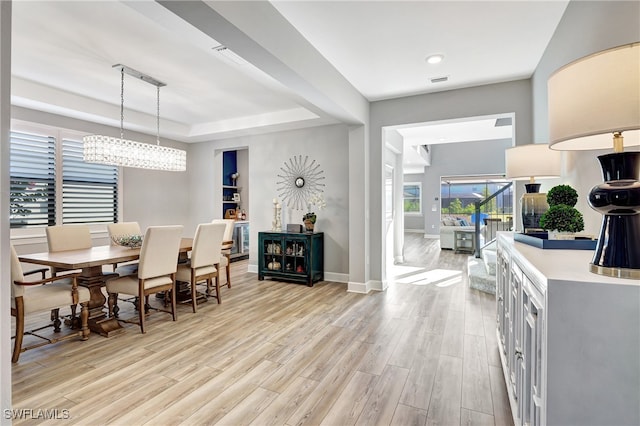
x=90, y=262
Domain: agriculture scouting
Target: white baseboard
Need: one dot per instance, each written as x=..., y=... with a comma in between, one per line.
x=398, y=260
x=365, y=288
x=433, y=236
x=252, y=268
x=414, y=231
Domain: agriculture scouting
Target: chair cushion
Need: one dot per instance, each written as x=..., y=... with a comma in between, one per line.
x=184, y=272
x=52, y=295
x=129, y=284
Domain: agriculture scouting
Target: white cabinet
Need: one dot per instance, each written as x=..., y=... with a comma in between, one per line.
x=569, y=340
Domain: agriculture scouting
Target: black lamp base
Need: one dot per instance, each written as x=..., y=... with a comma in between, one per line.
x=617, y=253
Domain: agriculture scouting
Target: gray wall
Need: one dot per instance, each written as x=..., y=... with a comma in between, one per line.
x=512, y=97
x=586, y=27
x=328, y=145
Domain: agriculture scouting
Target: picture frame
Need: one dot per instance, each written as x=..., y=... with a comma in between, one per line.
x=236, y=197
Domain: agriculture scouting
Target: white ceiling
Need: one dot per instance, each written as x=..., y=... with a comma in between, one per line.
x=63, y=53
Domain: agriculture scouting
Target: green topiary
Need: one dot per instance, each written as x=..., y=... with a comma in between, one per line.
x=562, y=218
x=562, y=194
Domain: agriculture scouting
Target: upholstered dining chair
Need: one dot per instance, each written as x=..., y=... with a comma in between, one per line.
x=122, y=229
x=205, y=260
x=67, y=237
x=46, y=294
x=227, y=245
x=156, y=272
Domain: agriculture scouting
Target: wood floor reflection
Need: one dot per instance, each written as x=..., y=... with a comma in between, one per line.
x=422, y=353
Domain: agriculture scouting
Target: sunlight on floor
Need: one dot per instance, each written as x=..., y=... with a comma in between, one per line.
x=419, y=276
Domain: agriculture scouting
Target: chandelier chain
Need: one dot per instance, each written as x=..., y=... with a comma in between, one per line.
x=121, y=103
x=158, y=115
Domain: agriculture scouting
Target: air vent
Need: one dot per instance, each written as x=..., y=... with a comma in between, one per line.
x=228, y=55
x=439, y=79
x=506, y=121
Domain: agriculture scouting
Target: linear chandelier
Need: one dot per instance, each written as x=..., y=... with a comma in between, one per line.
x=127, y=153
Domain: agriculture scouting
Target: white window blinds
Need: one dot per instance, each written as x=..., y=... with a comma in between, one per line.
x=32, y=181
x=89, y=191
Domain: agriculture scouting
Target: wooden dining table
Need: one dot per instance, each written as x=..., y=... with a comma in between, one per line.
x=91, y=261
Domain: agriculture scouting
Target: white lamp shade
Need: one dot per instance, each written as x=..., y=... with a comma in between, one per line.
x=535, y=160
x=593, y=97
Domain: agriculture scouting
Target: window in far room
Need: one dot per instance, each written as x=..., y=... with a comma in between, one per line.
x=412, y=195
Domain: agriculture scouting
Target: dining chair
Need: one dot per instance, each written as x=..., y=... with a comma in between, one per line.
x=227, y=245
x=46, y=294
x=156, y=273
x=67, y=237
x=205, y=260
x=122, y=229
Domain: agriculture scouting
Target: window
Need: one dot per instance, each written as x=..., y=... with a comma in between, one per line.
x=33, y=181
x=89, y=191
x=51, y=184
x=412, y=195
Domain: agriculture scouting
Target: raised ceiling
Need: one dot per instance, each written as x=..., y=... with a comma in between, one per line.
x=63, y=53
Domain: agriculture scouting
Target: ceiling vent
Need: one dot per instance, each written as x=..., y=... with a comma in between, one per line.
x=439, y=79
x=505, y=121
x=226, y=54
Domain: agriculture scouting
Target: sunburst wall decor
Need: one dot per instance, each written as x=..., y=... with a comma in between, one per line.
x=300, y=180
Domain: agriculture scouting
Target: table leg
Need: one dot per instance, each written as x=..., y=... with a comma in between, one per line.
x=94, y=280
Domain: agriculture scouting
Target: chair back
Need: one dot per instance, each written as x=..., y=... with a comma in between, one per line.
x=16, y=274
x=228, y=232
x=206, y=244
x=68, y=237
x=123, y=228
x=159, y=252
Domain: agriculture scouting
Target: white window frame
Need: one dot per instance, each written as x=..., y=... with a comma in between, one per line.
x=419, y=185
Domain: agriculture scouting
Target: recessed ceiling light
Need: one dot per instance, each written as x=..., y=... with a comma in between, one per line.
x=435, y=59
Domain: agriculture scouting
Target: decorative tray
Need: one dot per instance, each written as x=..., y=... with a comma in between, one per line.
x=541, y=240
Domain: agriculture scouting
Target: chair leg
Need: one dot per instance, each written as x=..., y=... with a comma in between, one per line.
x=55, y=317
x=218, y=288
x=174, y=303
x=84, y=320
x=141, y=312
x=19, y=314
x=228, y=270
x=194, y=295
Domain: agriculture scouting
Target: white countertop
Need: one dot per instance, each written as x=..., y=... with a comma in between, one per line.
x=563, y=265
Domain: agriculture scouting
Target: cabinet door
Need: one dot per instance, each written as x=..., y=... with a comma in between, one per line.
x=533, y=335
x=502, y=312
x=272, y=252
x=514, y=348
x=296, y=257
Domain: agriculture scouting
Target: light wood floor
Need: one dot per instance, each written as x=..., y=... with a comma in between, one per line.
x=421, y=353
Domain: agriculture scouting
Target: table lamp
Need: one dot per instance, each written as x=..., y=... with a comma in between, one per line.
x=594, y=103
x=531, y=162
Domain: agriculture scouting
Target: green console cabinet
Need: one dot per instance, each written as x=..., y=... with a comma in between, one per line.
x=291, y=256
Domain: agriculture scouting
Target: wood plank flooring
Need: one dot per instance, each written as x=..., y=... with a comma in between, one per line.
x=421, y=353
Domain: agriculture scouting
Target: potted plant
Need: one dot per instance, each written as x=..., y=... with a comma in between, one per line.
x=562, y=220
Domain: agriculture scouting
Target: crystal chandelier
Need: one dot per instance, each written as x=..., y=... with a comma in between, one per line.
x=122, y=152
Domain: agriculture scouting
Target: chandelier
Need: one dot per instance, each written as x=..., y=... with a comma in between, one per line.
x=127, y=153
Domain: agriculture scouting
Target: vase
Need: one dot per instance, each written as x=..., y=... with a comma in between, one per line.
x=308, y=225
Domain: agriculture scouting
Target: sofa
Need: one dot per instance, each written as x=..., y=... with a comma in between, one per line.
x=447, y=228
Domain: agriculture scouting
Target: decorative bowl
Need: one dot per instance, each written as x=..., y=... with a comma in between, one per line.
x=131, y=241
